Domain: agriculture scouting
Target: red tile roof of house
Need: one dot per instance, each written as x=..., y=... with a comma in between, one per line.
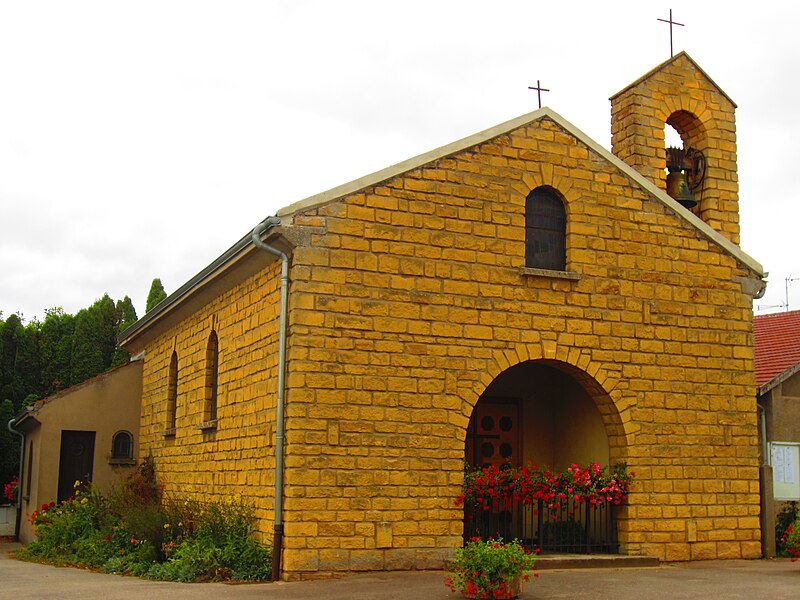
x=777, y=340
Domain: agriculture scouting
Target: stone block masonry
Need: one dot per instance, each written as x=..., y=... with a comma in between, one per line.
x=410, y=296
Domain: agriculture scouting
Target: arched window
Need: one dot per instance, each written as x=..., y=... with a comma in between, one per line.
x=545, y=230
x=172, y=394
x=122, y=445
x=212, y=369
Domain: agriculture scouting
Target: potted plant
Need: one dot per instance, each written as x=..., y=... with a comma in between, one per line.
x=489, y=568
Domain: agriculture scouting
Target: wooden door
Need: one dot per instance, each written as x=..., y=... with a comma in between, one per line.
x=493, y=436
x=75, y=463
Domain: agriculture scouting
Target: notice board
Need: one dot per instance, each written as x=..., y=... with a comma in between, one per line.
x=786, y=470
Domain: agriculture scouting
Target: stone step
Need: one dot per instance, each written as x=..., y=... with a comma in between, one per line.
x=592, y=561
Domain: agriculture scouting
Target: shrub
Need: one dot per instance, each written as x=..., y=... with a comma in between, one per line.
x=140, y=532
x=66, y=530
x=790, y=541
x=221, y=544
x=787, y=515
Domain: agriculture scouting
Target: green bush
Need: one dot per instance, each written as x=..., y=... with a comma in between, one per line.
x=788, y=514
x=221, y=544
x=139, y=532
x=69, y=531
x=790, y=541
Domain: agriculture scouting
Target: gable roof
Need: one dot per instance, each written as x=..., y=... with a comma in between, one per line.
x=777, y=341
x=681, y=54
x=245, y=245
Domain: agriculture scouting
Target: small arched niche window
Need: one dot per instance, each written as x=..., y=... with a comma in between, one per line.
x=545, y=230
x=212, y=371
x=122, y=446
x=172, y=394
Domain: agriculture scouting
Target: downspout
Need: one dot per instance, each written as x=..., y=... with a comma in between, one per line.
x=19, y=477
x=277, y=539
x=762, y=414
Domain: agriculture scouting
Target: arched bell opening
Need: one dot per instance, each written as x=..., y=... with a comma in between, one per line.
x=553, y=415
x=685, y=146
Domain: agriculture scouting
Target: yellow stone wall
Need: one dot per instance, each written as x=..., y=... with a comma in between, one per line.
x=408, y=299
x=412, y=301
x=681, y=94
x=236, y=457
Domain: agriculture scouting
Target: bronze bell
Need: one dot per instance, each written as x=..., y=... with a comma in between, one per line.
x=678, y=163
x=678, y=189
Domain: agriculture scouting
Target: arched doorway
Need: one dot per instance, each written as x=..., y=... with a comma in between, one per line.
x=553, y=415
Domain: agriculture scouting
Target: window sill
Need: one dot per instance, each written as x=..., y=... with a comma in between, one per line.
x=121, y=461
x=533, y=272
x=208, y=425
x=169, y=433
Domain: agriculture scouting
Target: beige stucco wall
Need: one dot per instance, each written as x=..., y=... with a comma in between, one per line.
x=782, y=415
x=104, y=404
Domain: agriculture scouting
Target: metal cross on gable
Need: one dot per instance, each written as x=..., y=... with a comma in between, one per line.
x=539, y=89
x=671, y=23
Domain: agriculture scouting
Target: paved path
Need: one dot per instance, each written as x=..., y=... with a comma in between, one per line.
x=718, y=580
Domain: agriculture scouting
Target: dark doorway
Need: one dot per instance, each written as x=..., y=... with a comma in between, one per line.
x=75, y=464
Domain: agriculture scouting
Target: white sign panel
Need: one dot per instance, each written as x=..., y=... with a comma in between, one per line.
x=785, y=472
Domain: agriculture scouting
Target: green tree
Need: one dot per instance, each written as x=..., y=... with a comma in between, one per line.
x=126, y=316
x=55, y=349
x=29, y=363
x=9, y=444
x=19, y=359
x=8, y=354
x=156, y=295
x=94, y=339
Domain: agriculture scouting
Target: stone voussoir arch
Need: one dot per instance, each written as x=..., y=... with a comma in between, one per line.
x=544, y=175
x=598, y=382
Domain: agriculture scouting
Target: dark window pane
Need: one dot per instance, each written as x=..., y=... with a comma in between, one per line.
x=122, y=445
x=545, y=231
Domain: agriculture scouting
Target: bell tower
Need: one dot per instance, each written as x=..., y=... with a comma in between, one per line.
x=679, y=93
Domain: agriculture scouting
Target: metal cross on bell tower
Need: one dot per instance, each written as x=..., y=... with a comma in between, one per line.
x=671, y=23
x=539, y=89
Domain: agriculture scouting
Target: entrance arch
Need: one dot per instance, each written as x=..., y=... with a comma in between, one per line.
x=552, y=414
x=560, y=416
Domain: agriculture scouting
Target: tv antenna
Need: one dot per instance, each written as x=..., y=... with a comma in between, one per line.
x=788, y=280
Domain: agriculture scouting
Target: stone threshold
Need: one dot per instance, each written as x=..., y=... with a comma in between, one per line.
x=592, y=561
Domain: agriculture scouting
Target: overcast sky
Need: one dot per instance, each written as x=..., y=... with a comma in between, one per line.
x=142, y=139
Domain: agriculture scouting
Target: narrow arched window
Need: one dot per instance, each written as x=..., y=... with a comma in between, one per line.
x=122, y=445
x=545, y=230
x=30, y=471
x=212, y=370
x=172, y=393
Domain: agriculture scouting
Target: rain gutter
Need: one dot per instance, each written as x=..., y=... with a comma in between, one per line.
x=19, y=477
x=277, y=540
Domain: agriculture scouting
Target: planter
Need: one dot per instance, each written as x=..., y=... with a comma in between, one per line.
x=513, y=589
x=8, y=519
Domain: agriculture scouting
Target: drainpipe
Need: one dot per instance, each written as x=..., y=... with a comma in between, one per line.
x=277, y=539
x=762, y=413
x=19, y=477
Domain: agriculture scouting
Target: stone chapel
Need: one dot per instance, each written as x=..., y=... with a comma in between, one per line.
x=327, y=366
